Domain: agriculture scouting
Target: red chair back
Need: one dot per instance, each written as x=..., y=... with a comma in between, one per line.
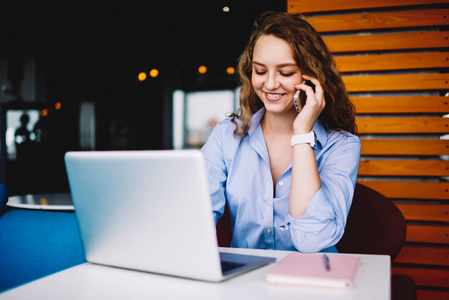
x=224, y=229
x=374, y=226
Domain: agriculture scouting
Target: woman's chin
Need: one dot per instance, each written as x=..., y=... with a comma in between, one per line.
x=278, y=109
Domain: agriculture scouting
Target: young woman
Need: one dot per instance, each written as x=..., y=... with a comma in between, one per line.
x=286, y=174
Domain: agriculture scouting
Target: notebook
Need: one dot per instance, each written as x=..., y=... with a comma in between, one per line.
x=150, y=211
x=319, y=270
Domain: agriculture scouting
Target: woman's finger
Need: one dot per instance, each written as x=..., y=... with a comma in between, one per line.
x=319, y=92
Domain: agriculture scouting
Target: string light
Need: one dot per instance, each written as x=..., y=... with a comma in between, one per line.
x=58, y=105
x=226, y=9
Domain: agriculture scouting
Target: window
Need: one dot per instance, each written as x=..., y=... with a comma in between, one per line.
x=195, y=114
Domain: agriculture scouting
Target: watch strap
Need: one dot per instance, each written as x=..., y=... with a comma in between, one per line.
x=307, y=138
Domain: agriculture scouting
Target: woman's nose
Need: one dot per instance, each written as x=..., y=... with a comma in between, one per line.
x=272, y=82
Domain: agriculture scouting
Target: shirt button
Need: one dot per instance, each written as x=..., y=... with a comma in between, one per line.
x=269, y=204
x=268, y=231
x=281, y=182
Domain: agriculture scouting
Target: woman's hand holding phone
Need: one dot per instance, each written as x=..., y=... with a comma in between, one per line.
x=309, y=102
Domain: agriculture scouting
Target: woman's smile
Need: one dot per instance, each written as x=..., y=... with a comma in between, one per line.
x=274, y=96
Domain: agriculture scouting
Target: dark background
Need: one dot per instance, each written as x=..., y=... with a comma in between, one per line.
x=93, y=51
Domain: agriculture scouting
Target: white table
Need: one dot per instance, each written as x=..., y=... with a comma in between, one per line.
x=90, y=281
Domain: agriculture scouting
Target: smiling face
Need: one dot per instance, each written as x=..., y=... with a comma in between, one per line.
x=275, y=74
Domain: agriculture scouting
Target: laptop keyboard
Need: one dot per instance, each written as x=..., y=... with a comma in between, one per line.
x=228, y=266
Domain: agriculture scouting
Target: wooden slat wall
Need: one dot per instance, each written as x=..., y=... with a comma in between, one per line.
x=401, y=105
x=394, y=58
x=382, y=20
x=390, y=41
x=395, y=61
x=310, y=6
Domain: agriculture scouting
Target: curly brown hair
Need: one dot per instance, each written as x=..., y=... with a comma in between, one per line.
x=313, y=58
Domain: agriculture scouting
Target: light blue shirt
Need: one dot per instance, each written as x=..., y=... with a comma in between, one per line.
x=239, y=174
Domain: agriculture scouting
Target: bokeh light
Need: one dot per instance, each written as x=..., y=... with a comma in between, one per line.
x=44, y=112
x=142, y=76
x=58, y=105
x=202, y=69
x=230, y=70
x=154, y=73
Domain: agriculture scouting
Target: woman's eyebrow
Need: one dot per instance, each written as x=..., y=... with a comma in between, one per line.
x=258, y=63
x=279, y=66
x=287, y=65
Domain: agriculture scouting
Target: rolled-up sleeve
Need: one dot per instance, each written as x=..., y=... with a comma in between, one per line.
x=323, y=223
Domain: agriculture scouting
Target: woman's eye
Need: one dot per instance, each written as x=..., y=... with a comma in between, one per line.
x=287, y=74
x=259, y=72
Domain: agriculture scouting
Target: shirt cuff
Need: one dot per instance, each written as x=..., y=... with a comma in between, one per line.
x=319, y=210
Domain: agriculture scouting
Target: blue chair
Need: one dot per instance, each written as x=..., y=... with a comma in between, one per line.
x=34, y=244
x=3, y=196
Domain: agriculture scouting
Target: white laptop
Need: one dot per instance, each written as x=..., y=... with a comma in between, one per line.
x=150, y=211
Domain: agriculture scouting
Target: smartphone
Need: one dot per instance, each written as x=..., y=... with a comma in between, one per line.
x=296, y=100
x=300, y=95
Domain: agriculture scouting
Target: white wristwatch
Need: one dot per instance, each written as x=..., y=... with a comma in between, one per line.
x=308, y=138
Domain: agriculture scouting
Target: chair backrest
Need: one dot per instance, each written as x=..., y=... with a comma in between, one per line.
x=374, y=226
x=224, y=229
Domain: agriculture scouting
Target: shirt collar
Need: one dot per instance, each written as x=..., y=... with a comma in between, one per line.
x=255, y=120
x=318, y=128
